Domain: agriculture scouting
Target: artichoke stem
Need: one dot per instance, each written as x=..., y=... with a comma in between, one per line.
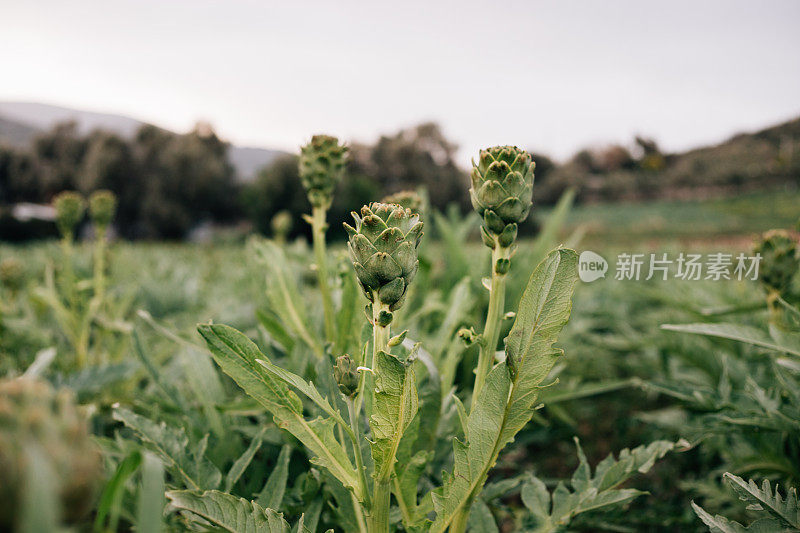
x=318, y=225
x=494, y=316
x=351, y=409
x=379, y=516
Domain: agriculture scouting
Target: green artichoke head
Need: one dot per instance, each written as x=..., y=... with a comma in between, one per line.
x=346, y=374
x=321, y=166
x=70, y=208
x=779, y=260
x=102, y=207
x=383, y=247
x=501, y=192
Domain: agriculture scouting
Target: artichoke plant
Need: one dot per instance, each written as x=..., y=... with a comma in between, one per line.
x=779, y=261
x=408, y=199
x=321, y=166
x=383, y=248
x=70, y=208
x=34, y=416
x=501, y=192
x=102, y=206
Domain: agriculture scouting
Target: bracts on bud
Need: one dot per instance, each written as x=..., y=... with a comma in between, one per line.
x=321, y=166
x=501, y=192
x=383, y=247
x=70, y=208
x=346, y=374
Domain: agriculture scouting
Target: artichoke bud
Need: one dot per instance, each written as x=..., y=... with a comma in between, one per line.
x=383, y=247
x=102, y=207
x=321, y=167
x=70, y=208
x=502, y=265
x=501, y=192
x=385, y=318
x=281, y=225
x=346, y=374
x=34, y=415
x=408, y=199
x=469, y=336
x=779, y=261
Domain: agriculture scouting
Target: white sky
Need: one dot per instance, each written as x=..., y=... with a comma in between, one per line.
x=550, y=76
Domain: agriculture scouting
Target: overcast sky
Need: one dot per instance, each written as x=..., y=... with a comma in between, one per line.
x=551, y=76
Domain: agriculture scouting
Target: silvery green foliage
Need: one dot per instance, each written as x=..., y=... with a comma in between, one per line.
x=383, y=246
x=506, y=401
x=321, y=165
x=501, y=192
x=553, y=511
x=231, y=513
x=779, y=514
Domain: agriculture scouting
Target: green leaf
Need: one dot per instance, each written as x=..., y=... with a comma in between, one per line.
x=172, y=446
x=481, y=518
x=228, y=512
x=735, y=332
x=237, y=356
x=150, y=509
x=306, y=387
x=720, y=524
x=785, y=510
x=504, y=405
x=271, y=495
x=275, y=330
x=394, y=408
x=111, y=498
x=590, y=492
x=241, y=464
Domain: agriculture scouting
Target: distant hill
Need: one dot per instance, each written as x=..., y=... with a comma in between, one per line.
x=16, y=134
x=21, y=121
x=758, y=161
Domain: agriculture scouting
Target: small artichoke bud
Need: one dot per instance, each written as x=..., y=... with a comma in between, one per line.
x=33, y=415
x=321, y=166
x=469, y=336
x=501, y=192
x=12, y=274
x=346, y=374
x=408, y=199
x=70, y=208
x=281, y=225
x=779, y=261
x=383, y=248
x=102, y=207
x=502, y=265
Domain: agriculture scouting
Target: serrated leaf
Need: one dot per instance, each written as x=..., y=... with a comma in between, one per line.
x=720, y=524
x=228, y=512
x=785, y=510
x=395, y=405
x=237, y=355
x=590, y=491
x=504, y=405
x=172, y=446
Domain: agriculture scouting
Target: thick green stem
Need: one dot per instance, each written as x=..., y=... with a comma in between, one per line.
x=351, y=409
x=379, y=518
x=100, y=264
x=318, y=226
x=494, y=317
x=379, y=515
